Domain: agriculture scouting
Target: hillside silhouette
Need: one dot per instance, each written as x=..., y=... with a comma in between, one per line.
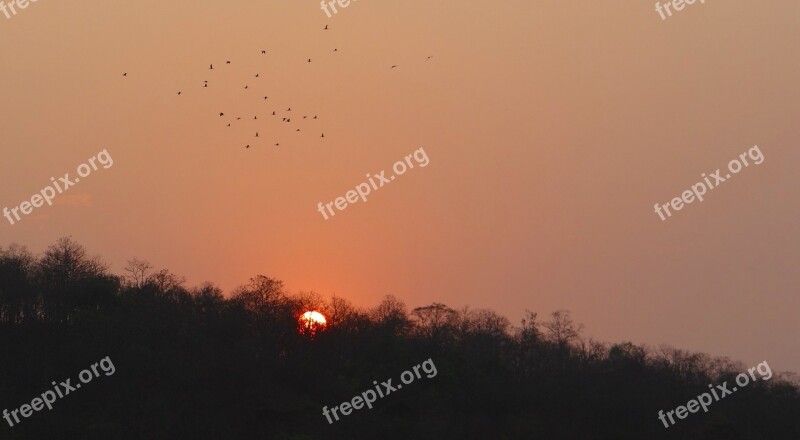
x=192, y=363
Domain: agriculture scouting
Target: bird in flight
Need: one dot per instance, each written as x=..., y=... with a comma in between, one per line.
x=298, y=129
x=315, y=116
x=179, y=93
x=265, y=98
x=426, y=59
x=393, y=66
x=256, y=75
x=277, y=145
x=238, y=119
x=273, y=113
x=305, y=117
x=289, y=109
x=255, y=117
x=247, y=146
x=246, y=87
x=229, y=124
x=309, y=60
x=256, y=134
x=263, y=52
x=227, y=62
x=125, y=74
x=221, y=114
x=335, y=49
x=210, y=67
x=326, y=28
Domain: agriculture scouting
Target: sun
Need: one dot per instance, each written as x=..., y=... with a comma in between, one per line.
x=312, y=321
x=314, y=317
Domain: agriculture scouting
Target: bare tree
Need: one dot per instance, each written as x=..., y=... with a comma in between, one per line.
x=528, y=331
x=482, y=321
x=67, y=261
x=435, y=319
x=262, y=295
x=307, y=301
x=63, y=271
x=339, y=311
x=391, y=313
x=138, y=270
x=562, y=330
x=165, y=281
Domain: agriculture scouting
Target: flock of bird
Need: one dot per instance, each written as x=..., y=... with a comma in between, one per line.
x=285, y=115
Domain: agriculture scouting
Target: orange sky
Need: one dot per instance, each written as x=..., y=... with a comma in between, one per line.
x=552, y=128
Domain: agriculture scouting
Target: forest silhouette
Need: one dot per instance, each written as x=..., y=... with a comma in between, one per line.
x=192, y=363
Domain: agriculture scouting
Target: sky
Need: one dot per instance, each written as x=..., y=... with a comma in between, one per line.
x=551, y=128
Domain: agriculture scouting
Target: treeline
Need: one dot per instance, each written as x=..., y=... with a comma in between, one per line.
x=192, y=363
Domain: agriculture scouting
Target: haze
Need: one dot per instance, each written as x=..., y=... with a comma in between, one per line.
x=552, y=128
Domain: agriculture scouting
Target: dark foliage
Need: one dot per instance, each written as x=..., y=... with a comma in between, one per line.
x=194, y=364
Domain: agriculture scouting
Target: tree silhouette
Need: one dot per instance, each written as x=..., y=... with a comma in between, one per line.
x=195, y=363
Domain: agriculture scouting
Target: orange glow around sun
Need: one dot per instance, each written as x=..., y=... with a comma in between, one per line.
x=312, y=321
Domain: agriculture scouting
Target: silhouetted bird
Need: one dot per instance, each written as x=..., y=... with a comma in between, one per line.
x=298, y=129
x=246, y=87
x=256, y=134
x=265, y=98
x=247, y=146
x=179, y=93
x=289, y=109
x=273, y=113
x=323, y=135
x=277, y=145
x=305, y=117
x=125, y=74
x=315, y=116
x=255, y=117
x=326, y=28
x=263, y=52
x=335, y=49
x=393, y=67
x=210, y=67
x=426, y=59
x=309, y=60
x=221, y=114
x=256, y=75
x=229, y=125
x=227, y=62
x=238, y=119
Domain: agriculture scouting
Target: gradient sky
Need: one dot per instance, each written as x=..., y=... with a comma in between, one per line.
x=552, y=128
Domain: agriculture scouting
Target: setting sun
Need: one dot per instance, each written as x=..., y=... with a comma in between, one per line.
x=312, y=321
